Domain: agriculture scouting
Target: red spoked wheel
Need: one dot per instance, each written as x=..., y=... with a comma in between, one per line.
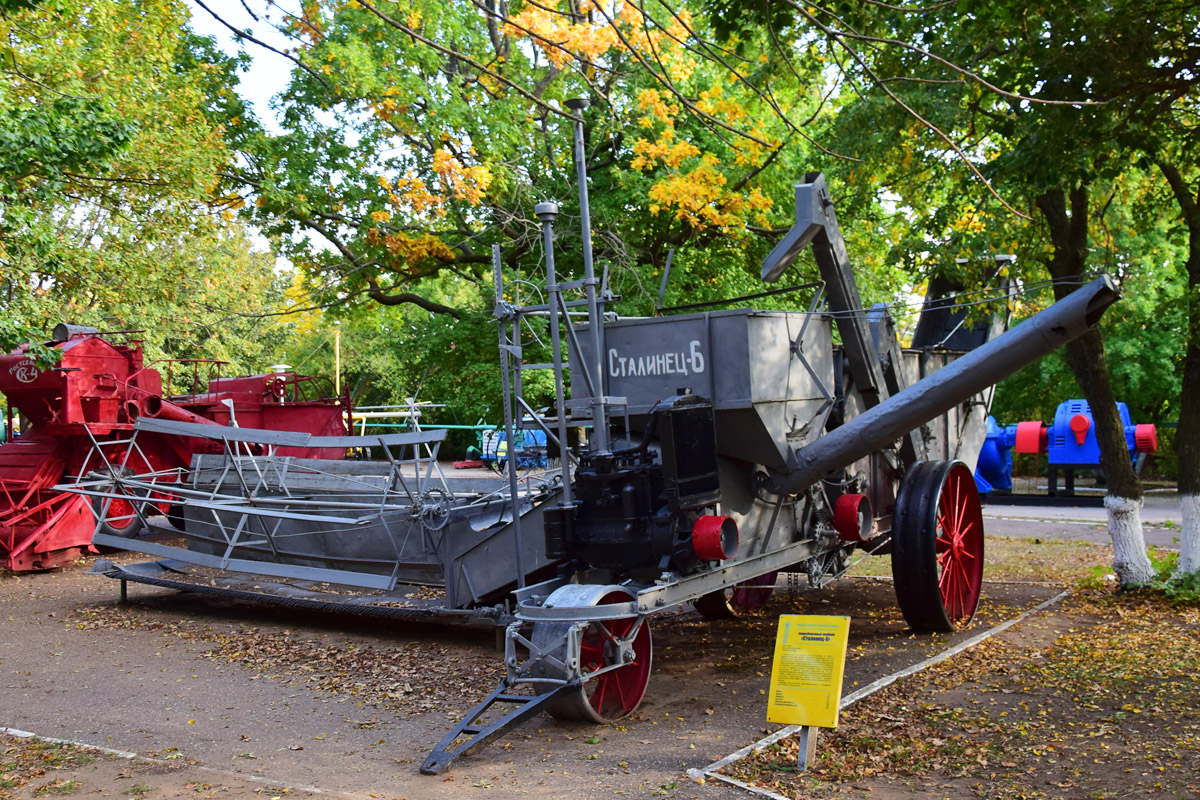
x=124, y=512
x=120, y=516
x=747, y=596
x=937, y=546
x=623, y=644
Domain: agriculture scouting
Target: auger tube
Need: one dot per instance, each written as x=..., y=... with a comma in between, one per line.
x=936, y=394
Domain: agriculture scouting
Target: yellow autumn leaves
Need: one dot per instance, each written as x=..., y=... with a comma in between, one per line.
x=593, y=29
x=410, y=195
x=692, y=184
x=410, y=252
x=689, y=182
x=455, y=179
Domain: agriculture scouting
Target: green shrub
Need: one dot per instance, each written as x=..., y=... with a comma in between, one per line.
x=1183, y=590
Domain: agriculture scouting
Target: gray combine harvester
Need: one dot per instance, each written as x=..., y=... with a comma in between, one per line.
x=723, y=447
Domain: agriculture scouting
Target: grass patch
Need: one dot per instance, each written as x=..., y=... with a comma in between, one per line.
x=58, y=786
x=23, y=761
x=1009, y=559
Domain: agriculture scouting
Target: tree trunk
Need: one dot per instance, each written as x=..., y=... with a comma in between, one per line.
x=1187, y=437
x=1085, y=357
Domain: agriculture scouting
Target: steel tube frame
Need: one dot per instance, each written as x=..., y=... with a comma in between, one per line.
x=595, y=369
x=510, y=435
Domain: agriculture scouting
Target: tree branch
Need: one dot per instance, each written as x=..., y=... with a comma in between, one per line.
x=836, y=36
x=376, y=293
x=243, y=35
x=400, y=26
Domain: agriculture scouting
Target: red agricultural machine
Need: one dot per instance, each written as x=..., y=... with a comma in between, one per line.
x=77, y=416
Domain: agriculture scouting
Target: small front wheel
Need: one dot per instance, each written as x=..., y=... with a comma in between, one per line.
x=748, y=596
x=612, y=656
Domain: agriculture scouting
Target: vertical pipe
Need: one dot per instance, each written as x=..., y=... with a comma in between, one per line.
x=502, y=325
x=662, y=288
x=596, y=367
x=547, y=212
x=337, y=361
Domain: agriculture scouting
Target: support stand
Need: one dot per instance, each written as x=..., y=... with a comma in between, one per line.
x=808, y=747
x=1052, y=482
x=472, y=732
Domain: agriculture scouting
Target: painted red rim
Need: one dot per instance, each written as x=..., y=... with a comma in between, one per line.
x=753, y=594
x=853, y=517
x=121, y=514
x=617, y=693
x=960, y=545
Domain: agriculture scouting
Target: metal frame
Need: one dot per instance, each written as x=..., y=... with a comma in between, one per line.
x=258, y=504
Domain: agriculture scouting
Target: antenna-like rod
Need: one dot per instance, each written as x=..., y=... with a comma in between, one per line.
x=547, y=212
x=600, y=437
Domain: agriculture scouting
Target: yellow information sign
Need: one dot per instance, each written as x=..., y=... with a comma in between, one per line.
x=806, y=676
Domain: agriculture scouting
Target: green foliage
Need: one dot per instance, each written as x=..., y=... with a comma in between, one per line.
x=409, y=146
x=1181, y=589
x=112, y=118
x=14, y=333
x=42, y=146
x=1135, y=244
x=428, y=158
x=1031, y=98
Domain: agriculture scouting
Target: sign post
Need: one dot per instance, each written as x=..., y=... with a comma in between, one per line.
x=806, y=676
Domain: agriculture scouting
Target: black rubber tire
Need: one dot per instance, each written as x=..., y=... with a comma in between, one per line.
x=175, y=516
x=714, y=606
x=915, y=567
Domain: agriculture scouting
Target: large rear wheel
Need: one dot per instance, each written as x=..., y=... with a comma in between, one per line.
x=613, y=655
x=937, y=546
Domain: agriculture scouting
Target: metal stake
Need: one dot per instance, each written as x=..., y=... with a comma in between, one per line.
x=498, y=273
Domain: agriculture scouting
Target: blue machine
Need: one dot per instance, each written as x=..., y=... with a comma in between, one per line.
x=530, y=449
x=1073, y=435
x=1070, y=444
x=994, y=468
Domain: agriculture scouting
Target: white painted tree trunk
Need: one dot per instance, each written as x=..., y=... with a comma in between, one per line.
x=1189, y=541
x=1130, y=561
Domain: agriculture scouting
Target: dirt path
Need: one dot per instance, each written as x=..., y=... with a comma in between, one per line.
x=235, y=700
x=222, y=699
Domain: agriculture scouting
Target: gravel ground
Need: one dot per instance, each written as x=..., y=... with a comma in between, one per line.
x=223, y=699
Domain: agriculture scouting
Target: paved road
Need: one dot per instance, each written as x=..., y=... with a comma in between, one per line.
x=1161, y=519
